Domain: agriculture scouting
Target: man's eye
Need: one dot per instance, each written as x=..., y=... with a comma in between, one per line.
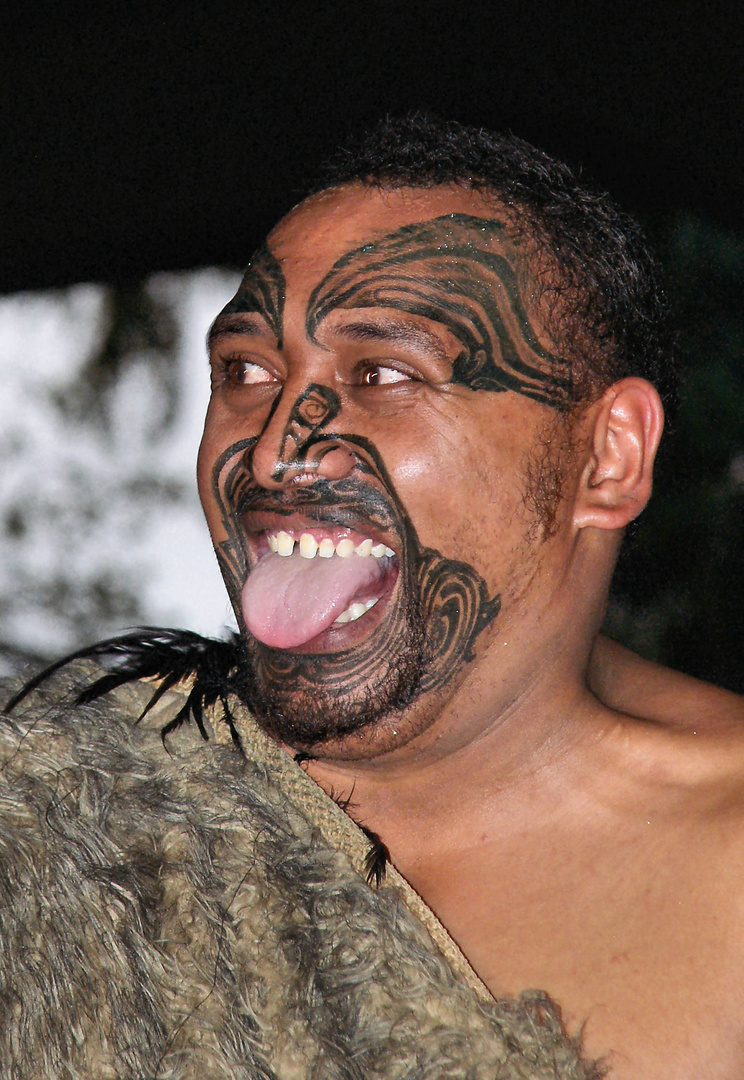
x=245, y=373
x=381, y=375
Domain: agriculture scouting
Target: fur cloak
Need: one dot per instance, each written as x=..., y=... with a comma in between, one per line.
x=190, y=911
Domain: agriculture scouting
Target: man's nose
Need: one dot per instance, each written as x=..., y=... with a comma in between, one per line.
x=294, y=446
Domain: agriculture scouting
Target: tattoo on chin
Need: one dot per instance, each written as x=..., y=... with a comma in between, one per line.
x=464, y=273
x=437, y=609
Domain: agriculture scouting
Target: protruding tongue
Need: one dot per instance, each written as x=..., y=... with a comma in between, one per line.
x=288, y=600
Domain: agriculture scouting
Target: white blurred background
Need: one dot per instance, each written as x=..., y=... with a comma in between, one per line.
x=103, y=391
x=102, y=399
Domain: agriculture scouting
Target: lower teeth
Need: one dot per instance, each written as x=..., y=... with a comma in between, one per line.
x=355, y=611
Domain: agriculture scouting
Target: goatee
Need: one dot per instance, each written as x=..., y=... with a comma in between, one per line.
x=304, y=711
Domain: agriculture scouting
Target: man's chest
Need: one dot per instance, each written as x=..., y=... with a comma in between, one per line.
x=644, y=953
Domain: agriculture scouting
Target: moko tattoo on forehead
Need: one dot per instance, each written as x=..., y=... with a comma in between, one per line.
x=461, y=271
x=263, y=291
x=438, y=609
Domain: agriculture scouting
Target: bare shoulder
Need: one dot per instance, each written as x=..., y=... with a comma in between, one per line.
x=675, y=726
x=641, y=688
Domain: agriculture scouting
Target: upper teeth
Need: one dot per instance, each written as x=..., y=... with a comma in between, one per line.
x=283, y=544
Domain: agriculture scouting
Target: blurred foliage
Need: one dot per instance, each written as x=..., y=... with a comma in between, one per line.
x=85, y=491
x=139, y=326
x=678, y=594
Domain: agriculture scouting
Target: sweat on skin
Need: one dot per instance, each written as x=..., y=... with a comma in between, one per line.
x=448, y=289
x=382, y=375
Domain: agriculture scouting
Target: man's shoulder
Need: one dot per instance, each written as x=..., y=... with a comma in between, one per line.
x=692, y=705
x=685, y=735
x=657, y=694
x=191, y=908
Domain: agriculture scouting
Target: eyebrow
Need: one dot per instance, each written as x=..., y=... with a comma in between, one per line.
x=393, y=331
x=249, y=324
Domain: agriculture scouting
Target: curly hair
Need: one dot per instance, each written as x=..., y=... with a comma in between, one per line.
x=599, y=285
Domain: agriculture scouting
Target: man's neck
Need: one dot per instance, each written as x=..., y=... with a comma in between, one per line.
x=480, y=752
x=520, y=707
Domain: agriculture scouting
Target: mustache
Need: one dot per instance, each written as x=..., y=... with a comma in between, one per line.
x=345, y=502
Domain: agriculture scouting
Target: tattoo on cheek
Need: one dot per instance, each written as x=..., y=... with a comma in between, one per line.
x=455, y=608
x=447, y=599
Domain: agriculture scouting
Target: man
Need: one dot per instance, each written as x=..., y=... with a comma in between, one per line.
x=433, y=414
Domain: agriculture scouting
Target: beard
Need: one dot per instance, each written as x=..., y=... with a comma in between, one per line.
x=305, y=700
x=437, y=610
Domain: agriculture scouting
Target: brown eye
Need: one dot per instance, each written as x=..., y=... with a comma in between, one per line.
x=382, y=375
x=246, y=373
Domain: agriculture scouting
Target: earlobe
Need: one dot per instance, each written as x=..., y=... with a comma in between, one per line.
x=616, y=482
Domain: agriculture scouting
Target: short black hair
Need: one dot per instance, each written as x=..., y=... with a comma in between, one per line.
x=601, y=285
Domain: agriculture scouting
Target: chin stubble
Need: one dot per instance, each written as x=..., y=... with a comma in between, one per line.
x=305, y=713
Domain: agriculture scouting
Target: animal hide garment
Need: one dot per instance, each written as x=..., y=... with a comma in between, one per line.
x=188, y=911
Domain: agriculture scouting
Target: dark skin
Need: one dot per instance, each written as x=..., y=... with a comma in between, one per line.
x=449, y=601
x=591, y=848
x=455, y=270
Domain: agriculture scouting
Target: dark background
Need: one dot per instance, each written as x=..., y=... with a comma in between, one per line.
x=150, y=136
x=164, y=136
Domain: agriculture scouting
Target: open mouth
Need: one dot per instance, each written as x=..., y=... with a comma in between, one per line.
x=314, y=586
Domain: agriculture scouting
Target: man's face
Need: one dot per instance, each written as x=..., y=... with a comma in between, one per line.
x=378, y=384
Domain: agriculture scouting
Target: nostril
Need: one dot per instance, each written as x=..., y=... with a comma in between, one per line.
x=325, y=458
x=291, y=445
x=293, y=471
x=333, y=461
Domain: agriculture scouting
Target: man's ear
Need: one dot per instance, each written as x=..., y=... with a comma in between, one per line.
x=615, y=484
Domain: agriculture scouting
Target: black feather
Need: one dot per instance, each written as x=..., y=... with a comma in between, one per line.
x=376, y=859
x=173, y=656
x=378, y=856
